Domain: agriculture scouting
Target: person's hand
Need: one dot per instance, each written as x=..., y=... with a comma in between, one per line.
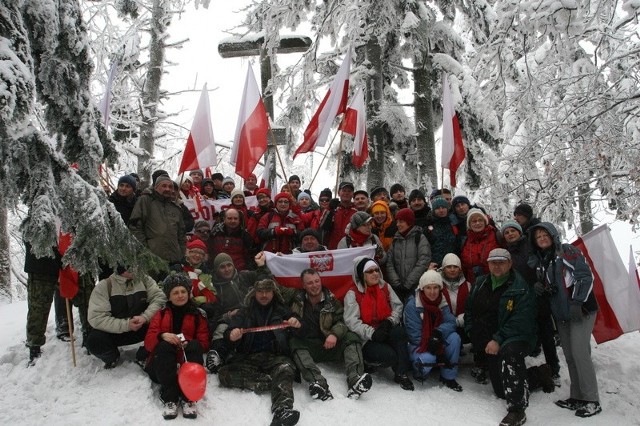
x=539, y=288
x=435, y=345
x=289, y=231
x=380, y=335
x=171, y=338
x=260, y=259
x=330, y=342
x=433, y=266
x=386, y=325
x=235, y=334
x=136, y=322
x=279, y=231
x=575, y=311
x=293, y=322
x=492, y=348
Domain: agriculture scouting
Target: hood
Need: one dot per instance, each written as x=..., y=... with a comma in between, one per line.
x=360, y=284
x=383, y=204
x=551, y=229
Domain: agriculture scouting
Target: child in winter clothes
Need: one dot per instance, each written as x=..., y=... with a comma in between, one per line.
x=176, y=332
x=431, y=328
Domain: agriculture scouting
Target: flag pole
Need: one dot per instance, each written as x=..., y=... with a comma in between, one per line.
x=339, y=159
x=442, y=186
x=70, y=325
x=275, y=148
x=323, y=158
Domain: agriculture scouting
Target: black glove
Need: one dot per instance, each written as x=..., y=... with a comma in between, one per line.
x=386, y=325
x=539, y=288
x=435, y=345
x=334, y=203
x=575, y=311
x=380, y=335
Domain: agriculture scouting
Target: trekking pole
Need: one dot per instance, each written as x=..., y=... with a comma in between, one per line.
x=265, y=328
x=70, y=325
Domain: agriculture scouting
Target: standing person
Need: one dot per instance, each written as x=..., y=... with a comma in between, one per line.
x=568, y=281
x=523, y=214
x=409, y=255
x=361, y=200
x=460, y=206
x=379, y=194
x=418, y=203
x=325, y=337
x=124, y=198
x=196, y=178
x=263, y=195
x=176, y=332
x=398, y=196
x=476, y=245
x=440, y=232
x=278, y=230
x=373, y=311
x=261, y=362
x=383, y=224
x=294, y=185
x=336, y=222
x=232, y=237
x=431, y=328
x=250, y=185
x=500, y=320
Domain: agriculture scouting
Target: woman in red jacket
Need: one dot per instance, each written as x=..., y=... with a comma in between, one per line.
x=175, y=332
x=481, y=238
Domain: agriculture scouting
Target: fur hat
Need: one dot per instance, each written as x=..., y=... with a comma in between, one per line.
x=460, y=199
x=221, y=259
x=498, y=254
x=264, y=285
x=430, y=277
x=358, y=219
x=525, y=210
x=439, y=202
x=475, y=212
x=176, y=280
x=511, y=224
x=416, y=193
x=197, y=243
x=395, y=188
x=407, y=215
x=129, y=180
x=451, y=259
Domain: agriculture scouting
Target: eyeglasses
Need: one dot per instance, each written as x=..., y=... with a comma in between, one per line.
x=371, y=271
x=283, y=201
x=323, y=200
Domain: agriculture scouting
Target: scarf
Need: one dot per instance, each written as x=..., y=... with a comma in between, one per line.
x=431, y=319
x=374, y=307
x=357, y=238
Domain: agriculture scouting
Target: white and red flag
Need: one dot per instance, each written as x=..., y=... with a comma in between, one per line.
x=334, y=266
x=355, y=123
x=618, y=298
x=68, y=278
x=266, y=173
x=333, y=104
x=452, y=147
x=105, y=103
x=250, y=142
x=200, y=151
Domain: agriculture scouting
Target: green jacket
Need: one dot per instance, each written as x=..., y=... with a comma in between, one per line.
x=517, y=311
x=331, y=319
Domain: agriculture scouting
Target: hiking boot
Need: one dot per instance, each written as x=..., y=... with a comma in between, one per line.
x=588, y=409
x=64, y=336
x=214, y=361
x=514, y=418
x=570, y=404
x=34, y=352
x=108, y=365
x=189, y=410
x=451, y=384
x=545, y=377
x=480, y=375
x=285, y=417
x=170, y=410
x=318, y=391
x=404, y=381
x=362, y=385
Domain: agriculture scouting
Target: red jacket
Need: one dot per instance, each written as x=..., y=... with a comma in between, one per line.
x=341, y=218
x=162, y=322
x=279, y=243
x=475, y=251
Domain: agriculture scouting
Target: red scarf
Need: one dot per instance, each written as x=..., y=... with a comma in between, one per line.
x=357, y=238
x=432, y=318
x=374, y=306
x=461, y=298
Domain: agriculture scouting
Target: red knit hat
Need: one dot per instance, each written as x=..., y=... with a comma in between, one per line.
x=282, y=195
x=407, y=215
x=264, y=191
x=197, y=244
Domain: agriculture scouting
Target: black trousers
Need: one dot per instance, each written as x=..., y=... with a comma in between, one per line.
x=105, y=345
x=508, y=374
x=393, y=353
x=163, y=368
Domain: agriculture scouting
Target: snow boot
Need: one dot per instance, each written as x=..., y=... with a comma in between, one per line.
x=34, y=354
x=404, y=381
x=285, y=417
x=170, y=410
x=514, y=418
x=318, y=391
x=570, y=403
x=588, y=409
x=362, y=385
x=480, y=375
x=189, y=410
x=451, y=384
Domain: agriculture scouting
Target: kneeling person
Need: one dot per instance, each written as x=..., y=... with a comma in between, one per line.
x=325, y=337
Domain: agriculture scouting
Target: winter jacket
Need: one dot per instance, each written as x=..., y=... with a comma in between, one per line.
x=373, y=240
x=520, y=253
x=279, y=243
x=116, y=299
x=408, y=258
x=352, y=317
x=331, y=313
x=237, y=243
x=336, y=223
x=413, y=316
x=231, y=293
x=48, y=266
x=456, y=292
x=387, y=230
x=566, y=272
x=124, y=205
x=475, y=251
x=194, y=327
x=516, y=320
x=158, y=224
x=441, y=236
x=422, y=216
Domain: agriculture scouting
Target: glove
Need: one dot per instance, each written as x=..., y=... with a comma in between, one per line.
x=289, y=231
x=214, y=361
x=575, y=311
x=435, y=345
x=386, y=325
x=280, y=231
x=380, y=335
x=334, y=203
x=539, y=288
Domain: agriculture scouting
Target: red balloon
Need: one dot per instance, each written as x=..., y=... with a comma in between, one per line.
x=192, y=378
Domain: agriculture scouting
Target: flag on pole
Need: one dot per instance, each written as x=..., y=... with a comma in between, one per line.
x=355, y=123
x=200, y=151
x=68, y=278
x=105, y=103
x=250, y=142
x=333, y=104
x=618, y=299
x=634, y=279
x=334, y=266
x=266, y=173
x=452, y=147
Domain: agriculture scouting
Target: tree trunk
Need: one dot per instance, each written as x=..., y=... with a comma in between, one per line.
x=425, y=139
x=151, y=90
x=584, y=208
x=375, y=130
x=5, y=256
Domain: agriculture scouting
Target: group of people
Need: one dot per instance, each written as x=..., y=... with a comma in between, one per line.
x=443, y=274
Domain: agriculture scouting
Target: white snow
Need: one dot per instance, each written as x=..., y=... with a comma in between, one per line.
x=56, y=393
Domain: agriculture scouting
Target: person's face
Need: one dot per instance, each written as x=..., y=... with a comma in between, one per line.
x=208, y=188
x=251, y=182
x=451, y=272
x=417, y=204
x=232, y=219
x=543, y=239
x=441, y=211
x=521, y=219
x=511, y=235
x=346, y=194
x=312, y=284
x=448, y=197
x=398, y=195
x=309, y=243
x=282, y=205
x=286, y=188
x=365, y=229
x=124, y=189
x=195, y=256
x=372, y=276
x=197, y=178
x=179, y=296
x=381, y=196
x=294, y=185
x=238, y=200
x=226, y=270
x=432, y=291
x=380, y=217
x=324, y=202
x=402, y=225
x=461, y=209
x=477, y=223
x=264, y=297
x=186, y=185
x=499, y=268
x=304, y=203
x=217, y=183
x=229, y=186
x=202, y=232
x=361, y=201
x=263, y=200
x=165, y=188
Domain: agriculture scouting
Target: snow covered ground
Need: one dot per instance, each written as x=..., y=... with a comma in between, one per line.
x=53, y=392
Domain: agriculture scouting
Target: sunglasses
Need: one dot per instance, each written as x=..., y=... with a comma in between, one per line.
x=371, y=271
x=324, y=200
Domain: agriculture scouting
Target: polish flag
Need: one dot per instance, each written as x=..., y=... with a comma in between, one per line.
x=334, y=266
x=250, y=142
x=452, y=146
x=200, y=151
x=618, y=299
x=105, y=103
x=634, y=279
x=266, y=173
x=355, y=123
x=68, y=278
x=333, y=104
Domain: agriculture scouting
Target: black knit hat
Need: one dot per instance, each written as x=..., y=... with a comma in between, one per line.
x=377, y=190
x=176, y=280
x=310, y=231
x=395, y=188
x=326, y=193
x=129, y=180
x=525, y=210
x=416, y=193
x=460, y=199
x=157, y=173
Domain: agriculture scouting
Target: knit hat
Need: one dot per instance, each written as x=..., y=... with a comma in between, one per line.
x=377, y=191
x=217, y=176
x=201, y=224
x=474, y=212
x=358, y=219
x=206, y=182
x=395, y=188
x=438, y=202
x=160, y=179
x=264, y=191
x=451, y=259
x=460, y=199
x=364, y=265
x=416, y=193
x=303, y=195
x=252, y=175
x=346, y=185
x=196, y=171
x=157, y=173
x=435, y=193
x=511, y=224
x=361, y=191
x=129, y=180
x=326, y=193
x=176, y=280
x=525, y=210
x=498, y=254
x=430, y=277
x=378, y=207
x=282, y=195
x=293, y=177
x=227, y=180
x=237, y=191
x=407, y=215
x=197, y=244
x=221, y=259
x=310, y=231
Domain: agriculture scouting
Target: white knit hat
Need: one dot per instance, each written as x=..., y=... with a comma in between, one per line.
x=430, y=277
x=451, y=259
